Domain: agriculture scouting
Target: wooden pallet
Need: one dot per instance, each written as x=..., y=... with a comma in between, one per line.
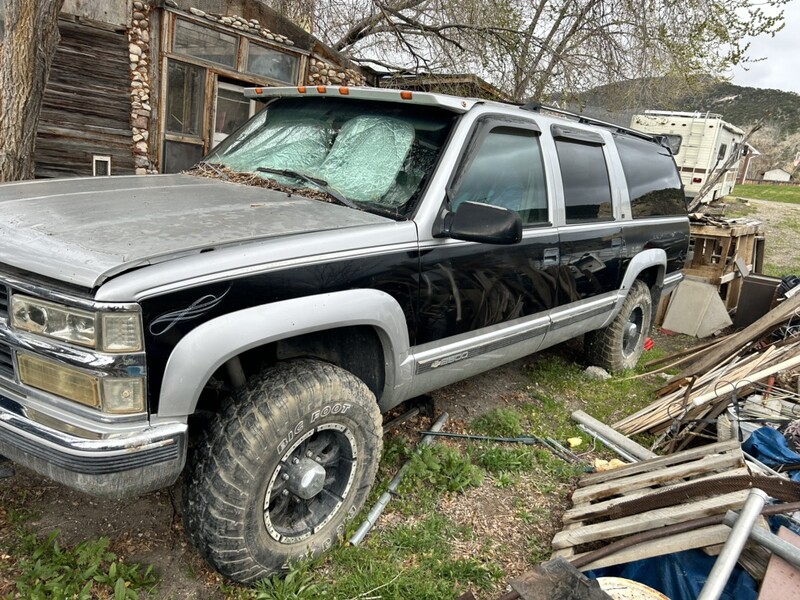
x=587, y=526
x=715, y=250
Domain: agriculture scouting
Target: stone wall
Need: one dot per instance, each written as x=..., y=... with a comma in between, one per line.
x=321, y=72
x=139, y=56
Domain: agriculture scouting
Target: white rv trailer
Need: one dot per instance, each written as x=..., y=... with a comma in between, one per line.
x=701, y=143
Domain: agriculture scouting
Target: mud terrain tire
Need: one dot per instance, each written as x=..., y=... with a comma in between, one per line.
x=283, y=467
x=619, y=345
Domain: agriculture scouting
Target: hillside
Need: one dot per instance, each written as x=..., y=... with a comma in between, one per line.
x=738, y=105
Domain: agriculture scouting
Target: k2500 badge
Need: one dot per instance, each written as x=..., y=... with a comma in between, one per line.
x=450, y=359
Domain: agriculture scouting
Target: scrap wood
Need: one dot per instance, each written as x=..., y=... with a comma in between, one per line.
x=740, y=340
x=629, y=446
x=653, y=541
x=695, y=398
x=598, y=492
x=677, y=500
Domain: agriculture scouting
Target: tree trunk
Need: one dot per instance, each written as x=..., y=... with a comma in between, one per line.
x=31, y=37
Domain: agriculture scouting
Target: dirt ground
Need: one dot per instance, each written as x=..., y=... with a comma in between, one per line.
x=781, y=227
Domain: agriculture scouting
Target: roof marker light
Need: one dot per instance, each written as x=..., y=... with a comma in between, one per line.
x=259, y=90
x=322, y=89
x=301, y=89
x=344, y=91
x=406, y=95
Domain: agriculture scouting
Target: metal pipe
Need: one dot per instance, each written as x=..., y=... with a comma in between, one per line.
x=718, y=577
x=400, y=420
x=608, y=444
x=769, y=540
x=570, y=456
x=377, y=510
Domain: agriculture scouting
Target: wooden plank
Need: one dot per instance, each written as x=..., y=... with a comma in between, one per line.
x=658, y=463
x=734, y=343
x=586, y=512
x=650, y=520
x=615, y=437
x=706, y=464
x=715, y=534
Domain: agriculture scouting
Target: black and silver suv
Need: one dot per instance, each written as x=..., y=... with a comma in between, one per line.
x=344, y=251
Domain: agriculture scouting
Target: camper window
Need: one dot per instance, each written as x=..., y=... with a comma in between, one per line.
x=674, y=143
x=722, y=150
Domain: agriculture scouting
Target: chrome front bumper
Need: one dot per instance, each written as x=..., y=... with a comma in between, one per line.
x=112, y=467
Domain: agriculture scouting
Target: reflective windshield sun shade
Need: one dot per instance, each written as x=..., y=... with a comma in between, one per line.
x=367, y=156
x=378, y=154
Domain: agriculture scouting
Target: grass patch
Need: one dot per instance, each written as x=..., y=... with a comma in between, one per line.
x=777, y=193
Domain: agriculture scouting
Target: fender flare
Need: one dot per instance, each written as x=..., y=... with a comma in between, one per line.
x=652, y=257
x=207, y=347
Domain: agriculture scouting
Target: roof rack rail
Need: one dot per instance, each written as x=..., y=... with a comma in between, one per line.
x=539, y=107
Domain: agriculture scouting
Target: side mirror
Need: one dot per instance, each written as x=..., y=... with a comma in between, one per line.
x=476, y=222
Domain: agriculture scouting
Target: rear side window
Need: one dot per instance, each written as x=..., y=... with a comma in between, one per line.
x=587, y=192
x=653, y=181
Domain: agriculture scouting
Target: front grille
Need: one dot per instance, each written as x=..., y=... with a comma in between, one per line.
x=6, y=364
x=3, y=301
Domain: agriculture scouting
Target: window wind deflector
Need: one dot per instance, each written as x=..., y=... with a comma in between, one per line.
x=318, y=183
x=576, y=135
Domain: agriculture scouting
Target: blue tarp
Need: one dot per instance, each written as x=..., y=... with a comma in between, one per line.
x=682, y=575
x=771, y=448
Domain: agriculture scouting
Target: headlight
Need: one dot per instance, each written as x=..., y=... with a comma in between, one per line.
x=107, y=331
x=60, y=322
x=115, y=395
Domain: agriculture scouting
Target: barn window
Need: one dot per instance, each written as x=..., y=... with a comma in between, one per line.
x=273, y=64
x=204, y=43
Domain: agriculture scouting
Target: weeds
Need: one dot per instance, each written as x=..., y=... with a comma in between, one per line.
x=443, y=468
x=46, y=570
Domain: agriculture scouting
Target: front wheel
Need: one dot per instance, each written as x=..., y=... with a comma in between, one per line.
x=619, y=346
x=283, y=467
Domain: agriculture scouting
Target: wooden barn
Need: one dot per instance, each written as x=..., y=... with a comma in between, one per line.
x=145, y=86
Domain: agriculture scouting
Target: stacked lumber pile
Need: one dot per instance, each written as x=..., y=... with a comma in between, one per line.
x=715, y=374
x=659, y=506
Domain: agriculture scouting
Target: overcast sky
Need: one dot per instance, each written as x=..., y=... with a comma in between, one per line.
x=781, y=68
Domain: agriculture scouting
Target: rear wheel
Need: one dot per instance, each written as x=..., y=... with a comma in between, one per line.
x=282, y=469
x=619, y=346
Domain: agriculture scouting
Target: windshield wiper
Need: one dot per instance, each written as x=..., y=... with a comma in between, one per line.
x=316, y=182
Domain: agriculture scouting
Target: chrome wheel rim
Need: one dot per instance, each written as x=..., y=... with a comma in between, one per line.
x=632, y=331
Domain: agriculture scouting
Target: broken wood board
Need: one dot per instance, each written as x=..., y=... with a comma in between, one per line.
x=706, y=536
x=649, y=520
x=590, y=519
x=684, y=401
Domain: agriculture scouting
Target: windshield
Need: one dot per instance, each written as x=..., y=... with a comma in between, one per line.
x=377, y=154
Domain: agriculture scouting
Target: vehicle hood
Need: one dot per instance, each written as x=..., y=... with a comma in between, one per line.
x=83, y=231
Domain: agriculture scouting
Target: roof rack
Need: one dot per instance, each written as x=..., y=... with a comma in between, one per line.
x=539, y=107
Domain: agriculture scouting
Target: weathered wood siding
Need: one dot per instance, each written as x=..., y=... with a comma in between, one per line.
x=86, y=107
